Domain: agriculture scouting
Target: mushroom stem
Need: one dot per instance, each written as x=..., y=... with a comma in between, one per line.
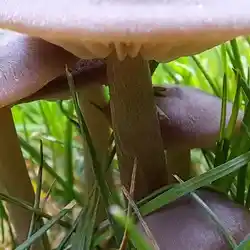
x=135, y=124
x=99, y=129
x=14, y=178
x=178, y=162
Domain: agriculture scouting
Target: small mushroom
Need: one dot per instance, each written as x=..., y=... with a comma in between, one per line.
x=189, y=118
x=93, y=92
x=89, y=76
x=26, y=64
x=185, y=224
x=100, y=136
x=90, y=73
x=128, y=34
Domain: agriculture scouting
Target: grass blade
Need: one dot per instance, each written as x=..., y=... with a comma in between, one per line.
x=46, y=227
x=36, y=157
x=69, y=171
x=195, y=183
x=135, y=236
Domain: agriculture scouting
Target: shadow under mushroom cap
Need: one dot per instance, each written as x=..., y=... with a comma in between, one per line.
x=161, y=30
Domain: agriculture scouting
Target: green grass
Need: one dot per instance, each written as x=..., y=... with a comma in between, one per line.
x=222, y=71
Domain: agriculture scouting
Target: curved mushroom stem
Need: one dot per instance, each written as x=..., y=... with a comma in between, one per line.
x=179, y=163
x=99, y=129
x=14, y=178
x=135, y=124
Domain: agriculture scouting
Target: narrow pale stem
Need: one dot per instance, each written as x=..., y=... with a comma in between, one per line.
x=99, y=128
x=14, y=178
x=179, y=163
x=135, y=124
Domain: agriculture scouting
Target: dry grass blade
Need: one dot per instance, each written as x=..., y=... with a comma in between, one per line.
x=45, y=200
x=131, y=192
x=46, y=227
x=36, y=220
x=5, y=217
x=23, y=204
x=143, y=223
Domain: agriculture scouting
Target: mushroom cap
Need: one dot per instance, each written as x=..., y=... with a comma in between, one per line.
x=86, y=73
x=161, y=30
x=185, y=224
x=189, y=117
x=27, y=64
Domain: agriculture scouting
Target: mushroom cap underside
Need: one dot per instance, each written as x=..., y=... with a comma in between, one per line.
x=161, y=30
x=27, y=64
x=190, y=118
x=185, y=224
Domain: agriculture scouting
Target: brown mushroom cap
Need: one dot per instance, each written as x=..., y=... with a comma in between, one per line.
x=185, y=224
x=161, y=30
x=191, y=117
x=86, y=73
x=27, y=64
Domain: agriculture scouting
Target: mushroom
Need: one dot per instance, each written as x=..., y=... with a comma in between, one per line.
x=26, y=64
x=89, y=76
x=185, y=224
x=33, y=63
x=100, y=136
x=128, y=34
x=189, y=118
